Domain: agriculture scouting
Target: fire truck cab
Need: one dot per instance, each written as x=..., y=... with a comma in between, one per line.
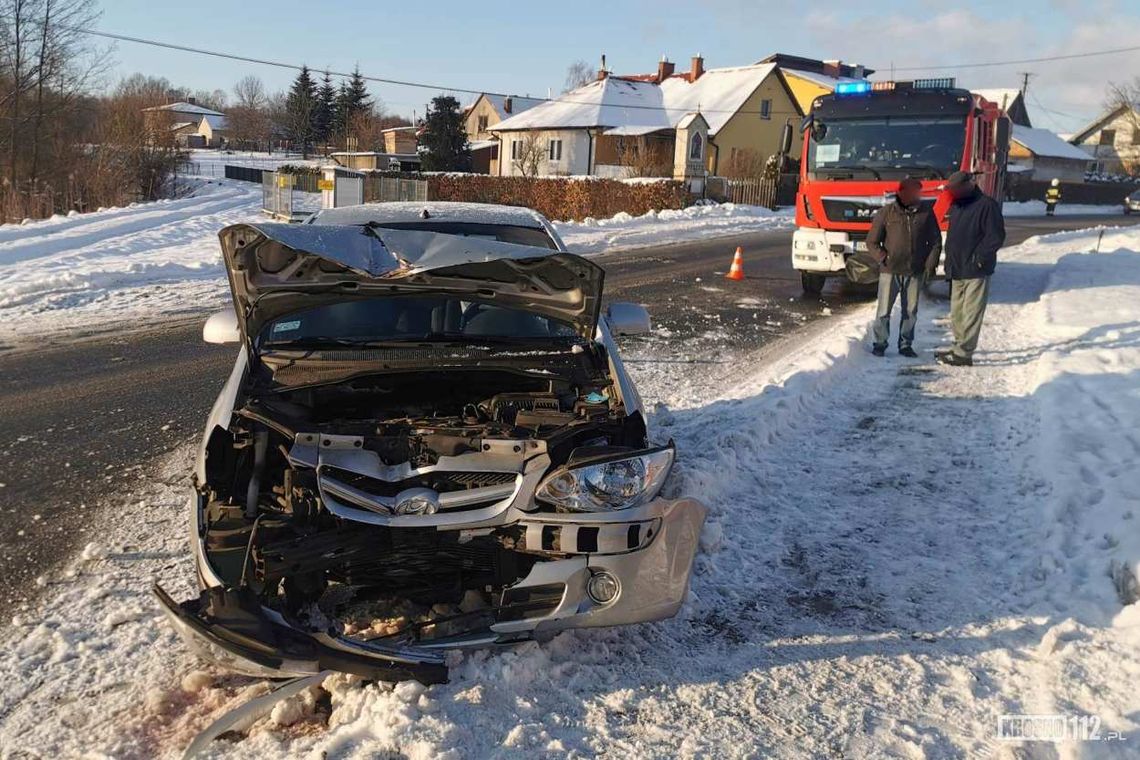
x=861, y=140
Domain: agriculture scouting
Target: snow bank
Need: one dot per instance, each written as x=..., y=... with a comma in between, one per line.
x=670, y=226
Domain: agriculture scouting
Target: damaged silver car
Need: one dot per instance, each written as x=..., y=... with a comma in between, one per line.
x=428, y=441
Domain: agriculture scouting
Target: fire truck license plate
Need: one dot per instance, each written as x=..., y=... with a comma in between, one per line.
x=859, y=245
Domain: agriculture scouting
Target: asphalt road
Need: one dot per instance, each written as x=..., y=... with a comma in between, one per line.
x=82, y=421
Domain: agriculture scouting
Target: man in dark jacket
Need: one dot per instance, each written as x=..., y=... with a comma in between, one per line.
x=906, y=240
x=976, y=232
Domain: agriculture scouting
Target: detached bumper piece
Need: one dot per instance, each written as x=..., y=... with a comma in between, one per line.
x=232, y=629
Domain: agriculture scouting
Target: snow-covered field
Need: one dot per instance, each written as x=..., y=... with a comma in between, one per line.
x=896, y=554
x=76, y=274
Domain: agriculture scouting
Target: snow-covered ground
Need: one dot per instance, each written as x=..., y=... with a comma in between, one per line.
x=150, y=261
x=897, y=553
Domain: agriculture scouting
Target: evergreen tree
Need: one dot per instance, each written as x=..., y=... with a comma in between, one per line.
x=340, y=111
x=301, y=111
x=445, y=139
x=326, y=106
x=356, y=94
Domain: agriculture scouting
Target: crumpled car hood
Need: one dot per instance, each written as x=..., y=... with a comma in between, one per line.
x=275, y=269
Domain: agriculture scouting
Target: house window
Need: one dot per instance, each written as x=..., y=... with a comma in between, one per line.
x=1108, y=137
x=696, y=147
x=516, y=149
x=554, y=150
x=765, y=109
x=482, y=123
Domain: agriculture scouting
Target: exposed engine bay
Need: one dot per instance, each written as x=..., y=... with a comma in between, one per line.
x=303, y=489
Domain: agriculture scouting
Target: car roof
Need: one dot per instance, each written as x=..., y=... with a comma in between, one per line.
x=442, y=211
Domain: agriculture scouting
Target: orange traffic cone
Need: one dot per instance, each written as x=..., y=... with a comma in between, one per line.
x=736, y=271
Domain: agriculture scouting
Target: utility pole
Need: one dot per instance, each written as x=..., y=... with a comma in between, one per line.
x=1025, y=75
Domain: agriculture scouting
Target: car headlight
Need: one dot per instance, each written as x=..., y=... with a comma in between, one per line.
x=608, y=483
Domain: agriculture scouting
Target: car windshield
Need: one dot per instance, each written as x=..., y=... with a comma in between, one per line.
x=874, y=146
x=409, y=318
x=503, y=233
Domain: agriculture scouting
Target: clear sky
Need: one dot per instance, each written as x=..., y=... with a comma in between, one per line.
x=524, y=48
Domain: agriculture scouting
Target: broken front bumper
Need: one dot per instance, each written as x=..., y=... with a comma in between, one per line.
x=232, y=630
x=645, y=554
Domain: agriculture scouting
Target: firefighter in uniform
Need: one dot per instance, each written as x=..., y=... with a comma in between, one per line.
x=1052, y=196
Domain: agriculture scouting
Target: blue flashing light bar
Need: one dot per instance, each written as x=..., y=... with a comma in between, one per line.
x=853, y=88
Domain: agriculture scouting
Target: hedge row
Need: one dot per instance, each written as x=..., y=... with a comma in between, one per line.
x=559, y=198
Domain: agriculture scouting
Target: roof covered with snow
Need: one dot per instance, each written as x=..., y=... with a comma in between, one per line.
x=1003, y=96
x=518, y=104
x=1042, y=142
x=216, y=122
x=186, y=108
x=642, y=107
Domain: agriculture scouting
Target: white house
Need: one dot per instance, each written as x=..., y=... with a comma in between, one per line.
x=1113, y=141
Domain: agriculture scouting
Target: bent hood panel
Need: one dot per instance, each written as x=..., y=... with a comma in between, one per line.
x=276, y=269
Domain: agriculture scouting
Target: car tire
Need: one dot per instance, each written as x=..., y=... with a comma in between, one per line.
x=812, y=283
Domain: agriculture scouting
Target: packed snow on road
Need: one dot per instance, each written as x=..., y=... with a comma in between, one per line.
x=896, y=554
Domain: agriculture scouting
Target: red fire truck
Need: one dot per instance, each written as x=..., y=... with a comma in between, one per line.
x=866, y=136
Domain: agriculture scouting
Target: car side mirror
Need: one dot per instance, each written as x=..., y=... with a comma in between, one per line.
x=627, y=319
x=221, y=328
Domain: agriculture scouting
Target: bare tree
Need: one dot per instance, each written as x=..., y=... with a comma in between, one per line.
x=577, y=74
x=644, y=156
x=744, y=163
x=248, y=118
x=530, y=155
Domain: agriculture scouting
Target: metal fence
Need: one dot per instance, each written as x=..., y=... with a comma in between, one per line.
x=245, y=173
x=276, y=194
x=381, y=189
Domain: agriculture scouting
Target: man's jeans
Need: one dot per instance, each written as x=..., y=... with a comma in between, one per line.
x=968, y=300
x=891, y=286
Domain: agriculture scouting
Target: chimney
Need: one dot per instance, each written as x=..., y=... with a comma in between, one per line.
x=831, y=68
x=192, y=100
x=665, y=69
x=507, y=104
x=602, y=73
x=698, y=68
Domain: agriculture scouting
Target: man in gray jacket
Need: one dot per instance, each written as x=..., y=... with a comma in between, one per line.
x=977, y=232
x=905, y=238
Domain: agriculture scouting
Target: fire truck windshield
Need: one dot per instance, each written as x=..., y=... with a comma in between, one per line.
x=886, y=147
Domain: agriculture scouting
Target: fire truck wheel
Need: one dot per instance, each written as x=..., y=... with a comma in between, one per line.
x=813, y=283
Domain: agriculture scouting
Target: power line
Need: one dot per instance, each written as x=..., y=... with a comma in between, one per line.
x=1045, y=59
x=397, y=82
